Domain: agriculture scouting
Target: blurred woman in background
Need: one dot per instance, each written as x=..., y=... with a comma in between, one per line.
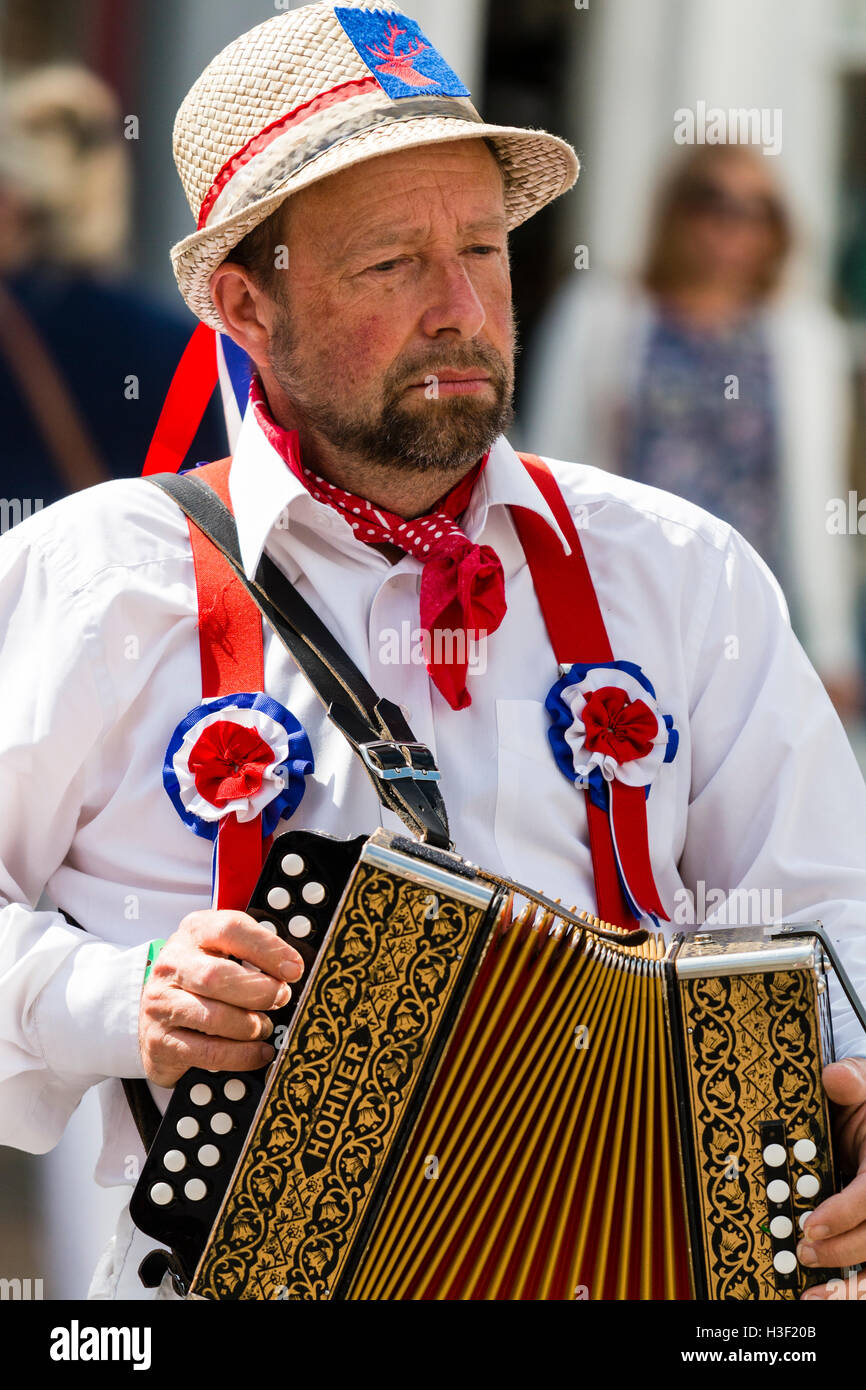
x=86, y=352
x=708, y=378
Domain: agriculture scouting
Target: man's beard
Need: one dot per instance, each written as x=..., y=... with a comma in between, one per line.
x=445, y=433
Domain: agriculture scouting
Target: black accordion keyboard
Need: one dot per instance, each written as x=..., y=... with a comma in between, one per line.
x=201, y=1137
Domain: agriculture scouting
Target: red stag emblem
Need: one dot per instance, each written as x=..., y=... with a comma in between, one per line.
x=400, y=64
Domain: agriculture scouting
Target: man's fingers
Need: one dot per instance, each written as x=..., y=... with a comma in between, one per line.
x=842, y=1212
x=237, y=934
x=189, y=1049
x=217, y=977
x=215, y=1018
x=836, y=1251
x=852, y=1287
x=845, y=1085
x=845, y=1082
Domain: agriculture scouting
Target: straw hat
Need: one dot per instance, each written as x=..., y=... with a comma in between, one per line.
x=316, y=90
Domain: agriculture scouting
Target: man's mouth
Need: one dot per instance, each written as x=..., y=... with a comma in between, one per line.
x=449, y=382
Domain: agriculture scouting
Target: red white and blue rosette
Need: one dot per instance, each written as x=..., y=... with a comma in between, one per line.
x=236, y=762
x=610, y=738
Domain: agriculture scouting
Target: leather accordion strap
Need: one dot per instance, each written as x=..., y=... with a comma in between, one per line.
x=401, y=769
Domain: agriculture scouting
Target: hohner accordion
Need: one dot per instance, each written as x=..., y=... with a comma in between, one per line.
x=471, y=1102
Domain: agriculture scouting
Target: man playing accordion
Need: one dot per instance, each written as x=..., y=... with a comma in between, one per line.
x=353, y=215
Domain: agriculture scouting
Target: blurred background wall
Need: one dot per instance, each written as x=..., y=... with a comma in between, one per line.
x=609, y=75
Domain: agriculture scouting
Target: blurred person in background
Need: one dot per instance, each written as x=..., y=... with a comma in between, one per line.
x=86, y=356
x=707, y=378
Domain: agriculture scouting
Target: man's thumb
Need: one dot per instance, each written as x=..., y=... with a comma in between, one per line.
x=845, y=1082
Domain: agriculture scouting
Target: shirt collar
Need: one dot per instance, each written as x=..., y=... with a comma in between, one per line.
x=265, y=492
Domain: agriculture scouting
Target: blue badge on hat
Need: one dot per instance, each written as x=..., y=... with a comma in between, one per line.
x=401, y=58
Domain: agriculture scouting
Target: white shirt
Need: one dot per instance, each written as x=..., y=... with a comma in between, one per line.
x=99, y=662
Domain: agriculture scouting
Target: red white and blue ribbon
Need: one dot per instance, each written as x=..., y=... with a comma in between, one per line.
x=236, y=760
x=610, y=739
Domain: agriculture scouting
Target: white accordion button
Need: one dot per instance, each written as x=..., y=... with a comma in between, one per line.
x=201, y=1094
x=781, y=1227
x=209, y=1156
x=187, y=1127
x=313, y=892
x=292, y=864
x=804, y=1151
x=808, y=1185
x=234, y=1089
x=777, y=1190
x=804, y=1216
x=221, y=1123
x=785, y=1261
x=300, y=926
x=174, y=1161
x=279, y=898
x=774, y=1155
x=162, y=1194
x=195, y=1189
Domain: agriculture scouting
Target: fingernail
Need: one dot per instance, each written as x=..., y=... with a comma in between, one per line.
x=293, y=971
x=267, y=1026
x=284, y=994
x=815, y=1297
x=267, y=1052
x=815, y=1232
x=806, y=1254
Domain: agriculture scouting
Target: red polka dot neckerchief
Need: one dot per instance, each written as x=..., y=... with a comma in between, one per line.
x=462, y=597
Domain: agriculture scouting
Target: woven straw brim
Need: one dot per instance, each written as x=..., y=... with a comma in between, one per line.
x=538, y=167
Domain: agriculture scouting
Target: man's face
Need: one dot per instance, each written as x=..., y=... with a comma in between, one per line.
x=397, y=282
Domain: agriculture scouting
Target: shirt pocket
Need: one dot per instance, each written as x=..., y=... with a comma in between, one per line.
x=540, y=826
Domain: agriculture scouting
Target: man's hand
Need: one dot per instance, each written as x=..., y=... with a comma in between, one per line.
x=201, y=1009
x=835, y=1234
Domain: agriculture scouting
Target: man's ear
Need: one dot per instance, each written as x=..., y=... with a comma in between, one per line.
x=245, y=309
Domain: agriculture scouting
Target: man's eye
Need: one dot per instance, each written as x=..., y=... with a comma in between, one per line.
x=389, y=265
x=483, y=250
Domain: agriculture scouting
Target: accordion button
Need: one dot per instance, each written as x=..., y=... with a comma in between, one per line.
x=221, y=1123
x=292, y=864
x=804, y=1216
x=209, y=1155
x=174, y=1161
x=778, y=1191
x=201, y=1094
x=808, y=1185
x=300, y=926
x=187, y=1127
x=195, y=1189
x=804, y=1150
x=774, y=1155
x=279, y=898
x=781, y=1227
x=785, y=1261
x=313, y=892
x=234, y=1089
x=162, y=1194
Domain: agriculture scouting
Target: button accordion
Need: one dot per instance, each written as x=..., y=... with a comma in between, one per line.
x=471, y=1102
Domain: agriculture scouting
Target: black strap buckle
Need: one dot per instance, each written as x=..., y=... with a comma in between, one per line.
x=395, y=762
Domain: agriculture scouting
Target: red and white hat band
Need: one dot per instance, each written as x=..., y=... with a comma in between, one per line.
x=277, y=152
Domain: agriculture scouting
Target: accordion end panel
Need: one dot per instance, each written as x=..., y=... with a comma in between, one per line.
x=755, y=1036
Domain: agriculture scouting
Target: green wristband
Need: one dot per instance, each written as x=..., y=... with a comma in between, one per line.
x=153, y=951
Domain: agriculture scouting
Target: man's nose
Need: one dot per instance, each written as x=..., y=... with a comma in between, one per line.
x=453, y=304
